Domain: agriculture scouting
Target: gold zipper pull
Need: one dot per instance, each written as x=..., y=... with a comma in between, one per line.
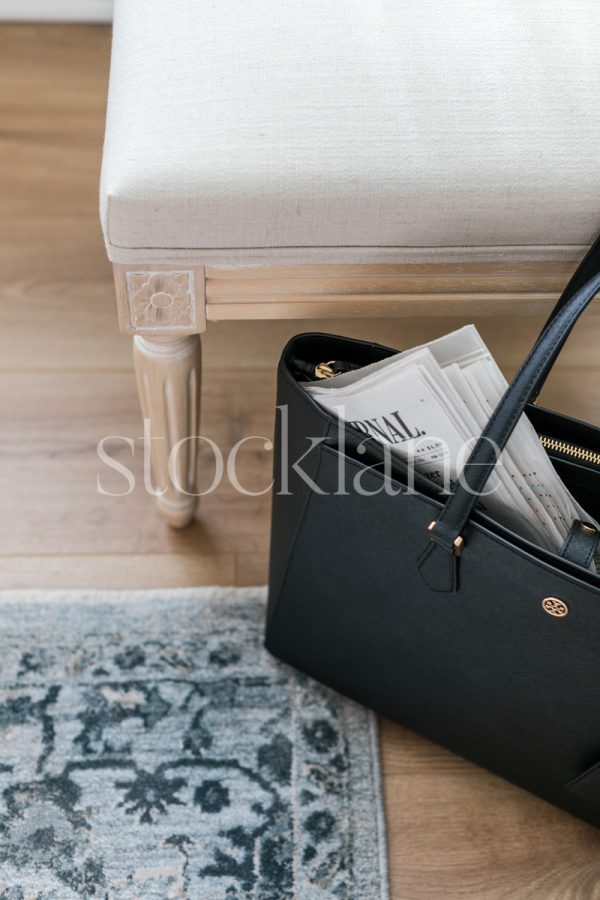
x=325, y=370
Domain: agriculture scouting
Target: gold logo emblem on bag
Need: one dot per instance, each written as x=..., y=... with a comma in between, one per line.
x=555, y=607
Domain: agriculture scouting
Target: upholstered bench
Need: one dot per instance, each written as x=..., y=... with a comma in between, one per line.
x=338, y=157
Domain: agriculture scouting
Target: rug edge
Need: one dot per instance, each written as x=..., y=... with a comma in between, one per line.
x=382, y=843
x=9, y=596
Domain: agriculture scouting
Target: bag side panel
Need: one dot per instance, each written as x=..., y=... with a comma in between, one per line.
x=485, y=672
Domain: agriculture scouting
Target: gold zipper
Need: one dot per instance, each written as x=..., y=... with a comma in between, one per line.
x=572, y=450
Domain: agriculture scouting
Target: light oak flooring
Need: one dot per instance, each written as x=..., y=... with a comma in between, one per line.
x=66, y=381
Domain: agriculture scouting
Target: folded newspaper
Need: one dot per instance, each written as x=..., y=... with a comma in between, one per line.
x=430, y=404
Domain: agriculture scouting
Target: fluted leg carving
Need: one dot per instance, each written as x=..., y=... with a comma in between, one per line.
x=168, y=374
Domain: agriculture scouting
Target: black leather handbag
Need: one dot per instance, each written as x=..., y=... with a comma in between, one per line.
x=460, y=630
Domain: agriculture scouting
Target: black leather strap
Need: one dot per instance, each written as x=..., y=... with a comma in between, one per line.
x=587, y=268
x=581, y=543
x=438, y=562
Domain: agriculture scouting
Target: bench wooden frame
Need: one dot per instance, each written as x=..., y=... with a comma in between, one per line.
x=165, y=307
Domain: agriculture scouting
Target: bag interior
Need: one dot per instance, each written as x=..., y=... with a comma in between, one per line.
x=575, y=458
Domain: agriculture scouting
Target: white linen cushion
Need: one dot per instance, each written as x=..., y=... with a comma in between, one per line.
x=360, y=130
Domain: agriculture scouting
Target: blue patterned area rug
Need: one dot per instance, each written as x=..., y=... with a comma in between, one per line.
x=150, y=748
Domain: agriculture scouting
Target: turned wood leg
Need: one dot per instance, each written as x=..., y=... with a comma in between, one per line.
x=168, y=376
x=163, y=307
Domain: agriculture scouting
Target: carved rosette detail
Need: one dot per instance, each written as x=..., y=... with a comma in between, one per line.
x=159, y=300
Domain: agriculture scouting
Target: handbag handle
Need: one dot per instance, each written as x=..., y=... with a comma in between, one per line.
x=587, y=268
x=438, y=562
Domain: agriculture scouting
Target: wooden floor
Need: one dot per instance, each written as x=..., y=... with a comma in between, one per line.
x=66, y=382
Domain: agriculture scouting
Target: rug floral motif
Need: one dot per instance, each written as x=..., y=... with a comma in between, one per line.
x=150, y=748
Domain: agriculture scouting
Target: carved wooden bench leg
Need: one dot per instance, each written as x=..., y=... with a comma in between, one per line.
x=164, y=309
x=169, y=376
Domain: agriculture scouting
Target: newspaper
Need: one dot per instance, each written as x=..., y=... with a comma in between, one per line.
x=430, y=404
